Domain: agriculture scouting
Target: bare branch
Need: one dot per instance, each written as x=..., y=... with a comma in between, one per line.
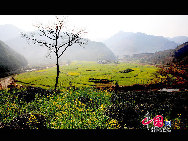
x=59, y=28
x=46, y=31
x=43, y=31
x=49, y=54
x=73, y=38
x=35, y=41
x=63, y=51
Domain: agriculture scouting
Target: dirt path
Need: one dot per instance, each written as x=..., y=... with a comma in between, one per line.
x=5, y=82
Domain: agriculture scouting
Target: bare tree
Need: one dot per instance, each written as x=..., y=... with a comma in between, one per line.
x=55, y=39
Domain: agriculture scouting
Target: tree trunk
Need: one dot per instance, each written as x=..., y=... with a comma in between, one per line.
x=57, y=77
x=57, y=64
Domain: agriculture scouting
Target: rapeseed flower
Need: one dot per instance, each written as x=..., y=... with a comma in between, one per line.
x=113, y=124
x=63, y=112
x=80, y=109
x=102, y=107
x=58, y=106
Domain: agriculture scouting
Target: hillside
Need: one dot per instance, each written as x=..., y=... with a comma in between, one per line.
x=160, y=57
x=170, y=56
x=128, y=43
x=180, y=54
x=93, y=51
x=36, y=55
x=10, y=60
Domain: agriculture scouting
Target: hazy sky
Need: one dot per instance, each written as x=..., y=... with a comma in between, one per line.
x=100, y=27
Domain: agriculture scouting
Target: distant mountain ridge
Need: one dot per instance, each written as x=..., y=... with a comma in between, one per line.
x=8, y=32
x=120, y=44
x=179, y=39
x=128, y=43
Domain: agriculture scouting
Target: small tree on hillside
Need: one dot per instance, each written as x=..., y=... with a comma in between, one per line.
x=55, y=39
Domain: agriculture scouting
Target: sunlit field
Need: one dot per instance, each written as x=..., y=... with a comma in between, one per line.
x=83, y=74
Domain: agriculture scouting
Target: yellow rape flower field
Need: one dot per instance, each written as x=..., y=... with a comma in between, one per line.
x=65, y=110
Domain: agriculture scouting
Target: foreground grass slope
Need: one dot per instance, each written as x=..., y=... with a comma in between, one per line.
x=69, y=109
x=87, y=108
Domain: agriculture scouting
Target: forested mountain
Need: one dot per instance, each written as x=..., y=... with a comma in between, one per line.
x=181, y=54
x=10, y=60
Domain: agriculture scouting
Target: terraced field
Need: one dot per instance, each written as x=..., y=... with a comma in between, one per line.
x=90, y=74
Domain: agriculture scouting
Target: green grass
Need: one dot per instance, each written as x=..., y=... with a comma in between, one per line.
x=77, y=74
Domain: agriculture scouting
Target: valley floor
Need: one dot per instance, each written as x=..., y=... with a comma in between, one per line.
x=92, y=96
